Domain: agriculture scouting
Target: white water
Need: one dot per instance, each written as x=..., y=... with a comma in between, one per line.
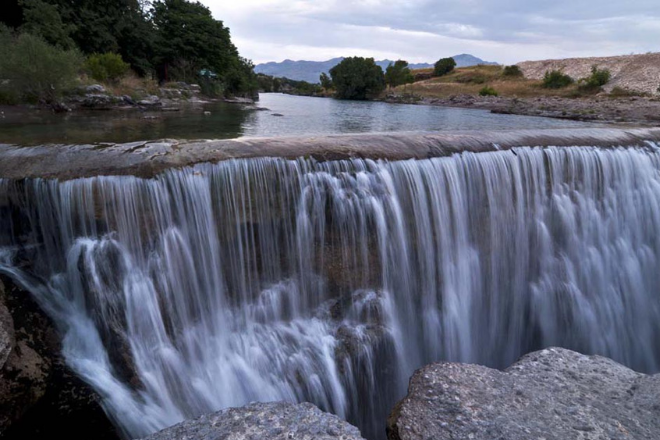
x=267, y=279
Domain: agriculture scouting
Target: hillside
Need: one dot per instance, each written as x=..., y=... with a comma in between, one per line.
x=639, y=73
x=311, y=70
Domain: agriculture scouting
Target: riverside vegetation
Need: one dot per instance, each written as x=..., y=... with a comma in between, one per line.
x=49, y=47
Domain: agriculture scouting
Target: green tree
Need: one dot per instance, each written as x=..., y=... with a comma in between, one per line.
x=398, y=73
x=326, y=81
x=597, y=79
x=36, y=71
x=357, y=78
x=188, y=35
x=44, y=20
x=443, y=66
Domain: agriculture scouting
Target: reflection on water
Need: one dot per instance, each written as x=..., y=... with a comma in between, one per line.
x=274, y=115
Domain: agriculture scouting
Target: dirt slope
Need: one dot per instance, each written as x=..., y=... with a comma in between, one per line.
x=640, y=73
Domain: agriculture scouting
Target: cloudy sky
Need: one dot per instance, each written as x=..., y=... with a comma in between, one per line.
x=506, y=31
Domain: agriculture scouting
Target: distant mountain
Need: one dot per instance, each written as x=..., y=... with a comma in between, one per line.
x=311, y=70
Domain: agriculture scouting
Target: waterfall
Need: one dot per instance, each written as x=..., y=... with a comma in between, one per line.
x=272, y=279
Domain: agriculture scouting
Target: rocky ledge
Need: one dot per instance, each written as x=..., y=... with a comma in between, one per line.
x=259, y=421
x=147, y=159
x=553, y=394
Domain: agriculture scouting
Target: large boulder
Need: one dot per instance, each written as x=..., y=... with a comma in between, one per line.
x=259, y=421
x=39, y=396
x=553, y=394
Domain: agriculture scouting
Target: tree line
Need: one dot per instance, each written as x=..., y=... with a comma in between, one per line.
x=361, y=78
x=171, y=40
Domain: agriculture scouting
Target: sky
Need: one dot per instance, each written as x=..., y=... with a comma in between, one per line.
x=506, y=31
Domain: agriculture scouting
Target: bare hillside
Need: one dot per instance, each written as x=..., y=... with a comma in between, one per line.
x=639, y=73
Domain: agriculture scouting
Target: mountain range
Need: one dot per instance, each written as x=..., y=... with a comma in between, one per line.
x=311, y=70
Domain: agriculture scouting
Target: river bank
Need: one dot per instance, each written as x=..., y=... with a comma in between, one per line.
x=631, y=110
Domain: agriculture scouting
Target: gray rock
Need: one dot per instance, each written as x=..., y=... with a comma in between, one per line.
x=261, y=421
x=95, y=88
x=7, y=339
x=150, y=101
x=553, y=394
x=100, y=101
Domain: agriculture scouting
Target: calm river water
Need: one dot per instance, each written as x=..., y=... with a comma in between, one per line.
x=273, y=115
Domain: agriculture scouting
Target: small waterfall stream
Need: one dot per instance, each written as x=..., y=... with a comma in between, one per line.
x=330, y=282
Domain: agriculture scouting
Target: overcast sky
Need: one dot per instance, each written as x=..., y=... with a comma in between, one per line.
x=506, y=31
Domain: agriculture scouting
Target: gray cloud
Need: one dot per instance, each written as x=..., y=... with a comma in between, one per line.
x=423, y=30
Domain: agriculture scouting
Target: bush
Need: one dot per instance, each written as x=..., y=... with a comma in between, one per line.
x=34, y=71
x=488, y=91
x=556, y=79
x=512, y=72
x=357, y=78
x=597, y=79
x=106, y=67
x=443, y=66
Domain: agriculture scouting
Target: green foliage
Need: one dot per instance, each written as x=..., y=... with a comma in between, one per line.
x=35, y=71
x=488, y=91
x=556, y=79
x=398, y=73
x=357, y=78
x=444, y=66
x=326, y=81
x=188, y=35
x=594, y=82
x=512, y=72
x=106, y=67
x=43, y=20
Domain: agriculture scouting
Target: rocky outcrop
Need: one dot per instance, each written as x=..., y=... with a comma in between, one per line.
x=39, y=396
x=639, y=73
x=553, y=394
x=258, y=421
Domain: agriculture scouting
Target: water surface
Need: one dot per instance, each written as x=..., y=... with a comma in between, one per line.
x=273, y=115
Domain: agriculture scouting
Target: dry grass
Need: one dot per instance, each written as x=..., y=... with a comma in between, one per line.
x=134, y=86
x=131, y=84
x=470, y=80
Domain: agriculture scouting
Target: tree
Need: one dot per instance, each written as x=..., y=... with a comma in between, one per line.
x=326, y=82
x=398, y=73
x=34, y=70
x=43, y=20
x=357, y=78
x=443, y=66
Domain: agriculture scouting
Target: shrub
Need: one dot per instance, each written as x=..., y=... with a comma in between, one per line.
x=34, y=71
x=512, y=72
x=488, y=91
x=106, y=67
x=597, y=79
x=556, y=79
x=443, y=66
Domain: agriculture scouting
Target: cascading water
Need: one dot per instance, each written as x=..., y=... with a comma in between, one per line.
x=330, y=282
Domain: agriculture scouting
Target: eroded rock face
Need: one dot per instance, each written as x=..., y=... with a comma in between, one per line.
x=39, y=395
x=553, y=394
x=259, y=421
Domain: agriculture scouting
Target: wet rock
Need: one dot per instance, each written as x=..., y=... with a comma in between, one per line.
x=100, y=101
x=39, y=395
x=151, y=101
x=258, y=421
x=128, y=100
x=553, y=394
